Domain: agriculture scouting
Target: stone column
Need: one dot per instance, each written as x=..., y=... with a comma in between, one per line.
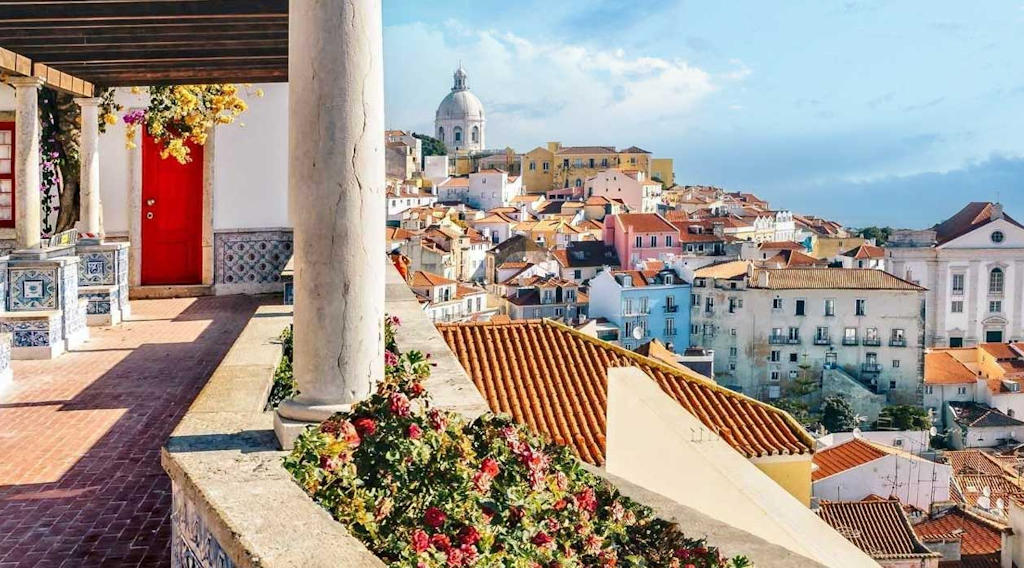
x=90, y=209
x=27, y=202
x=336, y=187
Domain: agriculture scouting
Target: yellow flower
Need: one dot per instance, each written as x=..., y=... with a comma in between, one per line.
x=135, y=90
x=109, y=118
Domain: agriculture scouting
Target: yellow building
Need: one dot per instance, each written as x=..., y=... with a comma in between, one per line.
x=662, y=170
x=556, y=166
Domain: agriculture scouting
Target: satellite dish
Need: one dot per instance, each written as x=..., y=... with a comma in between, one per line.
x=638, y=333
x=999, y=503
x=856, y=433
x=933, y=431
x=986, y=491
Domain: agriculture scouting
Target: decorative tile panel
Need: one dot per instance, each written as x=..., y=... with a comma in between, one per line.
x=100, y=302
x=41, y=332
x=251, y=257
x=32, y=289
x=96, y=268
x=192, y=543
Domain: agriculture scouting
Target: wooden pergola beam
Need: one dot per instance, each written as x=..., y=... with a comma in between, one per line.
x=11, y=62
x=63, y=81
x=64, y=12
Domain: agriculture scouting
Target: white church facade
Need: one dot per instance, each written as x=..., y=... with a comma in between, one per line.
x=973, y=267
x=460, y=121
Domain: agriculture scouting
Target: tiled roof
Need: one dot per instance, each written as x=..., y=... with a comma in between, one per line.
x=586, y=254
x=968, y=489
x=972, y=216
x=634, y=150
x=999, y=350
x=977, y=534
x=554, y=379
x=865, y=251
x=396, y=234
x=455, y=182
x=730, y=269
x=832, y=279
x=977, y=415
x=842, y=457
x=461, y=291
x=786, y=258
x=422, y=279
x=879, y=528
x=782, y=245
x=498, y=217
x=972, y=462
x=646, y=223
x=585, y=150
x=941, y=368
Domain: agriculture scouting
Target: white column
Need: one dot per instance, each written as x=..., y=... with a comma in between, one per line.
x=336, y=188
x=89, y=223
x=27, y=201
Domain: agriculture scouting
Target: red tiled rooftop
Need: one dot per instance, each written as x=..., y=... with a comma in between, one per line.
x=842, y=457
x=977, y=534
x=423, y=279
x=972, y=216
x=554, y=379
x=646, y=223
x=879, y=528
x=941, y=368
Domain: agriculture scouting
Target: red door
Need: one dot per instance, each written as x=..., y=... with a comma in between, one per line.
x=172, y=216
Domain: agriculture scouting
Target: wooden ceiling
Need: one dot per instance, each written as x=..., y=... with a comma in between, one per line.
x=151, y=42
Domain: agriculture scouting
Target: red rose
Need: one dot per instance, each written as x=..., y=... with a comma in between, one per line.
x=434, y=517
x=420, y=540
x=366, y=426
x=469, y=535
x=415, y=432
x=540, y=539
x=490, y=467
x=399, y=404
x=441, y=542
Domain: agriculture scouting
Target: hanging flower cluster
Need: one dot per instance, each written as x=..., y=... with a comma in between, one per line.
x=422, y=488
x=182, y=115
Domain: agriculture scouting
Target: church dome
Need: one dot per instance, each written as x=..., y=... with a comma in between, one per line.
x=460, y=105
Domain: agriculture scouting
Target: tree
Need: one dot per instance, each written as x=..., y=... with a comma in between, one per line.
x=59, y=139
x=837, y=415
x=431, y=146
x=905, y=417
x=880, y=234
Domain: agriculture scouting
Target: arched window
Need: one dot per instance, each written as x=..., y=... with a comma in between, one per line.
x=579, y=182
x=995, y=281
x=475, y=134
x=440, y=133
x=458, y=134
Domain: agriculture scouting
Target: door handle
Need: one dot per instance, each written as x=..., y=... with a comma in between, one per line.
x=151, y=202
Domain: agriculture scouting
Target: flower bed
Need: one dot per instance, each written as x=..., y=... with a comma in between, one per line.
x=421, y=487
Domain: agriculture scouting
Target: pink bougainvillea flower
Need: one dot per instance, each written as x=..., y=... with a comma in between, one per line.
x=390, y=359
x=420, y=540
x=415, y=432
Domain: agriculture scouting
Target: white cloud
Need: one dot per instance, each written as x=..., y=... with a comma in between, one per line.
x=535, y=91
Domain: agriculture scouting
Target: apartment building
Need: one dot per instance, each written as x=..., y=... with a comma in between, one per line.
x=769, y=327
x=645, y=305
x=446, y=300
x=632, y=187
x=641, y=236
x=543, y=297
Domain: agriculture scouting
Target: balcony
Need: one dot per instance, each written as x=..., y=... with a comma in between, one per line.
x=871, y=368
x=671, y=309
x=822, y=341
x=897, y=343
x=850, y=341
x=778, y=339
x=872, y=342
x=793, y=341
x=670, y=332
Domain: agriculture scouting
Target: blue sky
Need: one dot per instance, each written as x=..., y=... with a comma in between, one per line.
x=869, y=112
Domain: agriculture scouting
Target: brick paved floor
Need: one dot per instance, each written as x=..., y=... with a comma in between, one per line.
x=80, y=436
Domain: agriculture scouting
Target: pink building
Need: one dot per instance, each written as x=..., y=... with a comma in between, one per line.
x=640, y=236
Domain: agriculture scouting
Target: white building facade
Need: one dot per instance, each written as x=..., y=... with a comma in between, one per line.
x=973, y=266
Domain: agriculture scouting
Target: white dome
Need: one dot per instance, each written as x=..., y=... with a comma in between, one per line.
x=460, y=105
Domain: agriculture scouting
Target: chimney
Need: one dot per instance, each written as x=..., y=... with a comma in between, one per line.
x=997, y=211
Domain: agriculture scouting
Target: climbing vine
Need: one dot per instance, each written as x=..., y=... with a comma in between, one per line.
x=60, y=130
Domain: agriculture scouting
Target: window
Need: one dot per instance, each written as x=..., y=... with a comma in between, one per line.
x=475, y=134
x=957, y=307
x=775, y=357
x=590, y=162
x=800, y=304
x=961, y=390
x=546, y=166
x=577, y=274
x=668, y=240
x=565, y=163
x=793, y=358
x=995, y=306
x=628, y=328
x=995, y=281
x=928, y=389
x=578, y=163
x=695, y=299
x=777, y=332
x=670, y=326
x=732, y=366
x=821, y=334
x=458, y=134
x=533, y=166
x=654, y=241
x=830, y=307
x=639, y=241
x=897, y=338
x=579, y=182
x=850, y=336
x=629, y=306
x=997, y=237
x=861, y=307
x=733, y=351
x=559, y=312
x=709, y=304
x=793, y=374
x=871, y=358
x=669, y=279
x=776, y=303
x=6, y=174
x=775, y=376
x=643, y=305
x=604, y=162
x=958, y=284
x=892, y=385
x=794, y=334
x=895, y=363
x=732, y=305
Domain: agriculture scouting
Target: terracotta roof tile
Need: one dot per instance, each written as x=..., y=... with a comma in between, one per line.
x=423, y=279
x=968, y=489
x=879, y=528
x=585, y=150
x=554, y=379
x=832, y=278
x=941, y=368
x=730, y=269
x=999, y=350
x=972, y=216
x=978, y=415
x=972, y=462
x=977, y=534
x=865, y=251
x=782, y=245
x=455, y=182
x=646, y=223
x=842, y=457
